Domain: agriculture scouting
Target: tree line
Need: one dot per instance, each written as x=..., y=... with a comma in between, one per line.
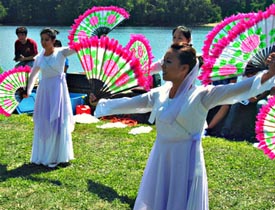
x=142, y=12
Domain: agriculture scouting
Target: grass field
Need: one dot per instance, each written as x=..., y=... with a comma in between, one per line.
x=108, y=167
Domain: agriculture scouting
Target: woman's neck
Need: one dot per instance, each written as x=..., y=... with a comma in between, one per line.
x=173, y=90
x=49, y=51
x=23, y=41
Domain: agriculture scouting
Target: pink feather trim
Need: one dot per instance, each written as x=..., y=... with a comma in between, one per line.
x=145, y=41
x=263, y=131
x=3, y=112
x=119, y=10
x=5, y=74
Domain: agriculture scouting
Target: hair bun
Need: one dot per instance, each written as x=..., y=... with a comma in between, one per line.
x=56, y=31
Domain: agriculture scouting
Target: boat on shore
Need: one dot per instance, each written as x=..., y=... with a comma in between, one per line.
x=78, y=83
x=79, y=88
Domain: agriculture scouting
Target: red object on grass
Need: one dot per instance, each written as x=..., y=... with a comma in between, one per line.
x=81, y=109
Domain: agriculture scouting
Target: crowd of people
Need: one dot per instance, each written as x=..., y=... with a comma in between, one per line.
x=175, y=175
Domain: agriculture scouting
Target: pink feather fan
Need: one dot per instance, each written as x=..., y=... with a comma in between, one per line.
x=247, y=45
x=109, y=67
x=12, y=85
x=97, y=21
x=140, y=47
x=265, y=128
x=220, y=31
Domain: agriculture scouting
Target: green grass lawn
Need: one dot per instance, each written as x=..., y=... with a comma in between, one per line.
x=108, y=167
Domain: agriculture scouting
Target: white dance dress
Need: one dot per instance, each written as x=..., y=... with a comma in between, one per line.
x=53, y=117
x=175, y=176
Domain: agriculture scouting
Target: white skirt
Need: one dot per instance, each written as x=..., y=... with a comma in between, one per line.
x=53, y=123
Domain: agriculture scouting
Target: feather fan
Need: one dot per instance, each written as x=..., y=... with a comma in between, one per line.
x=12, y=85
x=109, y=67
x=97, y=21
x=139, y=45
x=265, y=128
x=247, y=45
x=220, y=31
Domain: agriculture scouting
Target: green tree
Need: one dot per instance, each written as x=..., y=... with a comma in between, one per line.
x=3, y=11
x=142, y=12
x=204, y=12
x=138, y=13
x=256, y=5
x=63, y=17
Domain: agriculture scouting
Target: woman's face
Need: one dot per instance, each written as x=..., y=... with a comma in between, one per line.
x=179, y=37
x=46, y=41
x=172, y=69
x=22, y=37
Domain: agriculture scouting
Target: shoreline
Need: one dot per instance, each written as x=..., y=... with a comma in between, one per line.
x=210, y=24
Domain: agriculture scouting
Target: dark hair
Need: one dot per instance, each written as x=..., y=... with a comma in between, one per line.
x=51, y=32
x=57, y=43
x=253, y=68
x=186, y=54
x=258, y=63
x=185, y=31
x=21, y=30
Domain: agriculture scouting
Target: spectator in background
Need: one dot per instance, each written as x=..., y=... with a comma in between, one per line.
x=239, y=124
x=217, y=115
x=25, y=48
x=179, y=34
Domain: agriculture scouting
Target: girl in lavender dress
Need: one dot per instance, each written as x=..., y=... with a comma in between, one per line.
x=179, y=34
x=53, y=118
x=175, y=176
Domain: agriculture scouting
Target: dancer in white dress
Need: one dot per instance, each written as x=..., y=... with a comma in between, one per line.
x=175, y=176
x=53, y=118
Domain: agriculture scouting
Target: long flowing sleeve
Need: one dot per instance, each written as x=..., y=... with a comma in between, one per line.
x=138, y=104
x=32, y=78
x=66, y=51
x=233, y=93
x=156, y=67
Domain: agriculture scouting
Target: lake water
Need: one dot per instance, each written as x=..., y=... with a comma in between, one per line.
x=159, y=38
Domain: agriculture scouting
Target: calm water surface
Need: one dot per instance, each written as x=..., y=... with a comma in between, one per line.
x=159, y=38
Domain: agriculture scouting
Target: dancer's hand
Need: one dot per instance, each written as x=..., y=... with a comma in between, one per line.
x=271, y=63
x=92, y=99
x=25, y=95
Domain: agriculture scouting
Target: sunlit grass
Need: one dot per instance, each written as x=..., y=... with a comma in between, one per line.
x=108, y=167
